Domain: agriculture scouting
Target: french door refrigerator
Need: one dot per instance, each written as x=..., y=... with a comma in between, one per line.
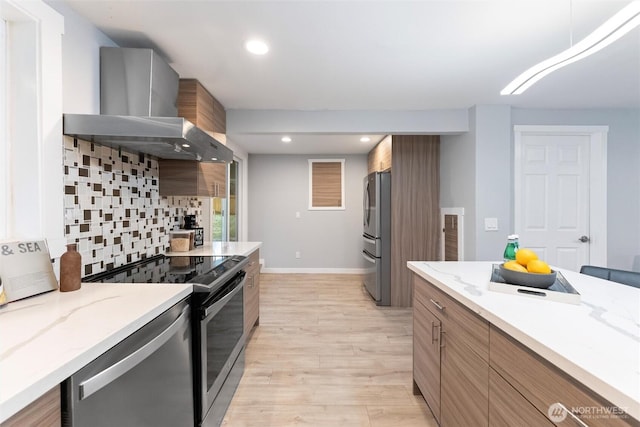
x=377, y=236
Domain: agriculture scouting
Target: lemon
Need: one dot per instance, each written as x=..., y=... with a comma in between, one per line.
x=538, y=266
x=525, y=256
x=513, y=265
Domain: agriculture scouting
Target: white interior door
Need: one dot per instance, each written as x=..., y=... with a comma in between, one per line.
x=557, y=212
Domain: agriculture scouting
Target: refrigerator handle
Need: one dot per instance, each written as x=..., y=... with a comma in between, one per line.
x=366, y=206
x=368, y=240
x=368, y=258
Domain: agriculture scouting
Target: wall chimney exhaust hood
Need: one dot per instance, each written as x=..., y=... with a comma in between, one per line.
x=138, y=94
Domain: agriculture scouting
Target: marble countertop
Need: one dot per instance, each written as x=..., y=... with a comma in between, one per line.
x=220, y=249
x=596, y=342
x=46, y=338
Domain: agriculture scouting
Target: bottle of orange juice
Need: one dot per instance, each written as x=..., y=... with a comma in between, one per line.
x=511, y=249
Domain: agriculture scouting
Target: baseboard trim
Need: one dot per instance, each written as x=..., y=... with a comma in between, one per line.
x=314, y=270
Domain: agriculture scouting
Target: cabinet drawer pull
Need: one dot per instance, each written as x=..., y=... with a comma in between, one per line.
x=574, y=416
x=437, y=304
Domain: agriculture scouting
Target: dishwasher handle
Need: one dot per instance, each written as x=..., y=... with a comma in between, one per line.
x=113, y=372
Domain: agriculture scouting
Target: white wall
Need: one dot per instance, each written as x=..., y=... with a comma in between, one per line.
x=80, y=62
x=457, y=180
x=329, y=241
x=494, y=183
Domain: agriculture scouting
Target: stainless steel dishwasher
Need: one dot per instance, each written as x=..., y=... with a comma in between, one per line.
x=146, y=380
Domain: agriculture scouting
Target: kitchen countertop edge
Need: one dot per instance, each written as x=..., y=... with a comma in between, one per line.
x=220, y=249
x=34, y=388
x=553, y=356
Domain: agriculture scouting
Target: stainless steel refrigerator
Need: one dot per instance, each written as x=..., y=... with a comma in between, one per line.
x=377, y=236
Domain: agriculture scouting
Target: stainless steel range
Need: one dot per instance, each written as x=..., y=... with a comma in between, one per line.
x=217, y=322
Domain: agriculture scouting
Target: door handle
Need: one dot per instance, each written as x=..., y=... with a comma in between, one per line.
x=584, y=239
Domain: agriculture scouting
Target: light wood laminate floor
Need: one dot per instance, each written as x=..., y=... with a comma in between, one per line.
x=325, y=355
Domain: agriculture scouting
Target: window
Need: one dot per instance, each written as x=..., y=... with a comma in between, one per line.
x=31, y=205
x=326, y=184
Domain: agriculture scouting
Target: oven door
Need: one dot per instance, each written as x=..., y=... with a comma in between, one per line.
x=221, y=339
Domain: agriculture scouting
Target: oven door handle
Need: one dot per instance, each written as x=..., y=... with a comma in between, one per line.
x=215, y=307
x=115, y=371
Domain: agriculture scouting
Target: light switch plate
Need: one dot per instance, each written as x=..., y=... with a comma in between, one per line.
x=491, y=224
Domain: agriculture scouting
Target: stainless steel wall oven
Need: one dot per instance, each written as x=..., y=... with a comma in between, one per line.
x=216, y=324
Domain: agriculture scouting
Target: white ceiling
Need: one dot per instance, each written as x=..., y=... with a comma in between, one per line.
x=377, y=55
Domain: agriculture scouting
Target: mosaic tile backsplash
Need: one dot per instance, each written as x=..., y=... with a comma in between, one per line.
x=113, y=208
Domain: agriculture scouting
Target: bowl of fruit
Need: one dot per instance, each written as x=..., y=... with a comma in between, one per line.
x=528, y=270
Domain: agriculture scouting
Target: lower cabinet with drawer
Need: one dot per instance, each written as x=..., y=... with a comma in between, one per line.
x=473, y=374
x=450, y=358
x=252, y=293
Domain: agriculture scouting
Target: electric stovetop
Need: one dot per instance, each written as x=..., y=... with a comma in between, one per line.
x=203, y=270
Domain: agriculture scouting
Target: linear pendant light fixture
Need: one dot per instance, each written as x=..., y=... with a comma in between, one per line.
x=617, y=26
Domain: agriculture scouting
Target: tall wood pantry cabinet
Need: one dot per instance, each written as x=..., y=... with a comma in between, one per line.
x=414, y=161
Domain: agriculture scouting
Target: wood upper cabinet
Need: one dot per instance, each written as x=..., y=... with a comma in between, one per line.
x=379, y=158
x=197, y=105
x=252, y=293
x=192, y=178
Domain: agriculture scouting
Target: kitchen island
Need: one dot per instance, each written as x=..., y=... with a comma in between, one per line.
x=46, y=338
x=596, y=343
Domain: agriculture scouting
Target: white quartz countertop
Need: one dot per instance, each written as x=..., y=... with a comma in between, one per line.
x=596, y=342
x=47, y=338
x=220, y=249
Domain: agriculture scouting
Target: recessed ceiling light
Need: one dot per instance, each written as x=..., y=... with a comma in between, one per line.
x=286, y=139
x=365, y=139
x=257, y=47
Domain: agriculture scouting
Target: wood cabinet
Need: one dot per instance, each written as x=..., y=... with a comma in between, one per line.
x=456, y=361
x=485, y=377
x=379, y=158
x=426, y=356
x=197, y=105
x=252, y=293
x=543, y=385
x=192, y=178
x=414, y=161
x=43, y=412
x=508, y=408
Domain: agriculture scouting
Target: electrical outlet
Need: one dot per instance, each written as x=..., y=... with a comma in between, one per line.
x=298, y=255
x=297, y=214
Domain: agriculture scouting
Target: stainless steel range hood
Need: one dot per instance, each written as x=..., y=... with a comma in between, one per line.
x=138, y=94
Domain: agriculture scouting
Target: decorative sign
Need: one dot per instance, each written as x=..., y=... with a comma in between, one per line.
x=25, y=269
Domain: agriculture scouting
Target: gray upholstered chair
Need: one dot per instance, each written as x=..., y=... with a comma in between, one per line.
x=630, y=278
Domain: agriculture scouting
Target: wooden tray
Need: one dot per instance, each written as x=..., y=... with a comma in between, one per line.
x=560, y=291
